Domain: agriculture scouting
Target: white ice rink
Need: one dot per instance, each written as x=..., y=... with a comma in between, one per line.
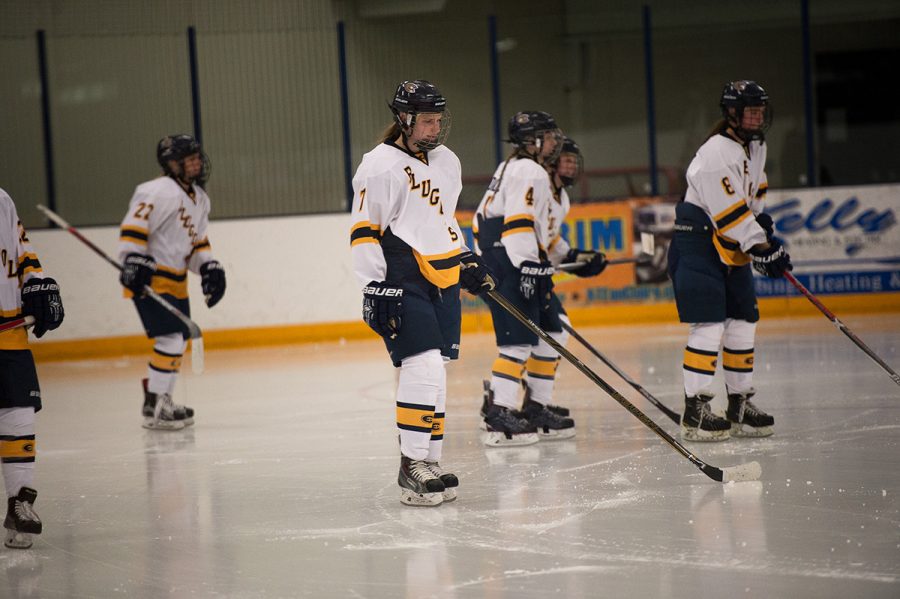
x=286, y=486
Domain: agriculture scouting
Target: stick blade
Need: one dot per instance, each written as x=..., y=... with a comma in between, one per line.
x=648, y=243
x=197, y=355
x=744, y=472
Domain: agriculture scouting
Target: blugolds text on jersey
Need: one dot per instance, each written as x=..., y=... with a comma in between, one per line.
x=385, y=291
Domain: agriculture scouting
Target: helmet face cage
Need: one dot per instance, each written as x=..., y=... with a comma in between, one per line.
x=569, y=148
x=177, y=148
x=736, y=96
x=531, y=128
x=416, y=97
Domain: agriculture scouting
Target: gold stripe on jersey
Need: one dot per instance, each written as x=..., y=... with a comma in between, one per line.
x=508, y=368
x=415, y=417
x=440, y=269
x=17, y=449
x=737, y=360
x=761, y=192
x=541, y=367
x=201, y=246
x=163, y=362
x=437, y=427
x=171, y=281
x=731, y=216
x=517, y=223
x=700, y=360
x=133, y=234
x=730, y=250
x=28, y=262
x=364, y=232
x=13, y=338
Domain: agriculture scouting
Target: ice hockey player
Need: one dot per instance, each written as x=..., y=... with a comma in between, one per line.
x=163, y=235
x=408, y=253
x=720, y=230
x=26, y=291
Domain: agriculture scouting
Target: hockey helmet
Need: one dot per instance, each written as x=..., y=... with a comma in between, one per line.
x=529, y=127
x=178, y=147
x=417, y=96
x=737, y=95
x=569, y=147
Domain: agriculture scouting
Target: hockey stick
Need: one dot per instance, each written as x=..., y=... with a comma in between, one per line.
x=749, y=471
x=195, y=335
x=648, y=246
x=25, y=321
x=674, y=416
x=841, y=326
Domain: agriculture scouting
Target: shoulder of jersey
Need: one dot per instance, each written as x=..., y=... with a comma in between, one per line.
x=161, y=186
x=720, y=151
x=524, y=167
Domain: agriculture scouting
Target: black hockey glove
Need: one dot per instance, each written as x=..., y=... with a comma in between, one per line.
x=137, y=271
x=382, y=307
x=40, y=299
x=474, y=275
x=594, y=262
x=765, y=221
x=773, y=262
x=212, y=281
x=536, y=280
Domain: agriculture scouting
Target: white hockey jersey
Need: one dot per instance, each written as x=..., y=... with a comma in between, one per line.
x=521, y=193
x=727, y=179
x=167, y=223
x=556, y=215
x=20, y=264
x=415, y=195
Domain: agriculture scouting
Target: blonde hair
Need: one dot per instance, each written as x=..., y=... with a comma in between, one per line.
x=390, y=133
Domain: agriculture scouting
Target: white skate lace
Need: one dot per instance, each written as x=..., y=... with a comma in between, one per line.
x=164, y=407
x=420, y=471
x=435, y=469
x=24, y=511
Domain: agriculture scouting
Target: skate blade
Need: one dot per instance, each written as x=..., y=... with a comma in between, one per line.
x=449, y=495
x=742, y=430
x=163, y=425
x=697, y=434
x=499, y=439
x=18, y=540
x=556, y=434
x=414, y=499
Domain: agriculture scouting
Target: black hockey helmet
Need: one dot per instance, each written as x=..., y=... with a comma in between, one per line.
x=178, y=147
x=528, y=128
x=417, y=96
x=570, y=147
x=737, y=95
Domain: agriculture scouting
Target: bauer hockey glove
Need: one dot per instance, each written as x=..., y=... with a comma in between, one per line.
x=772, y=262
x=594, y=262
x=382, y=307
x=212, y=282
x=474, y=275
x=40, y=299
x=137, y=272
x=536, y=280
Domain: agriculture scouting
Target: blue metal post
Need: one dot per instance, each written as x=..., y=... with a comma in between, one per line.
x=345, y=114
x=651, y=111
x=45, y=118
x=811, y=179
x=195, y=83
x=495, y=87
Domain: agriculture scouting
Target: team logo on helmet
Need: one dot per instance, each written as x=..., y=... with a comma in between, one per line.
x=410, y=87
x=522, y=118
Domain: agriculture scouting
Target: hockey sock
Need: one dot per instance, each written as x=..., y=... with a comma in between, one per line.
x=421, y=378
x=737, y=355
x=436, y=443
x=17, y=448
x=165, y=362
x=506, y=374
x=701, y=356
x=540, y=368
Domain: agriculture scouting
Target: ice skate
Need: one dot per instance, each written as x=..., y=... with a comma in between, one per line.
x=549, y=425
x=161, y=413
x=21, y=520
x=558, y=410
x=746, y=419
x=419, y=486
x=699, y=423
x=506, y=428
x=449, y=479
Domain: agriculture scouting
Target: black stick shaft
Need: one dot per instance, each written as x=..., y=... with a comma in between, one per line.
x=673, y=415
x=842, y=327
